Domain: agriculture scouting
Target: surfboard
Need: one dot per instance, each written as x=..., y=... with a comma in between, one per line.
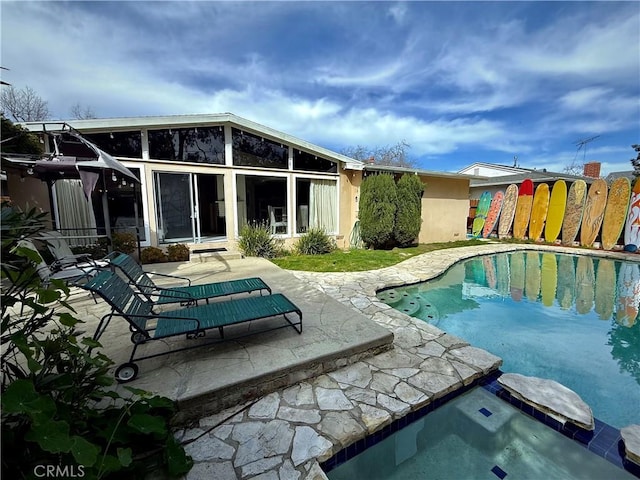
x=593, y=212
x=615, y=212
x=628, y=294
x=565, y=292
x=523, y=209
x=539, y=211
x=532, y=276
x=585, y=278
x=502, y=268
x=548, y=279
x=632, y=227
x=493, y=214
x=555, y=215
x=573, y=212
x=516, y=268
x=490, y=271
x=481, y=214
x=508, y=210
x=605, y=296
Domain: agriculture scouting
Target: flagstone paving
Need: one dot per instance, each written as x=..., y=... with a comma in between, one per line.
x=284, y=435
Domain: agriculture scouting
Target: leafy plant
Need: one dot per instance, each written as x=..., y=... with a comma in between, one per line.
x=58, y=407
x=256, y=241
x=153, y=255
x=409, y=212
x=378, y=194
x=125, y=242
x=315, y=242
x=178, y=252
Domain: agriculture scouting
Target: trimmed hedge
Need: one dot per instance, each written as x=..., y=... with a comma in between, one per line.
x=409, y=212
x=378, y=198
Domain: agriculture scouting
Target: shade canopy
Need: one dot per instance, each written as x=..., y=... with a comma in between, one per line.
x=73, y=156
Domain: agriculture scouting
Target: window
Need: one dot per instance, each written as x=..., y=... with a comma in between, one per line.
x=307, y=161
x=316, y=205
x=196, y=144
x=262, y=200
x=118, y=144
x=253, y=151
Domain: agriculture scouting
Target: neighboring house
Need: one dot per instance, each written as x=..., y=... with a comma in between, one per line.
x=205, y=176
x=495, y=184
x=482, y=169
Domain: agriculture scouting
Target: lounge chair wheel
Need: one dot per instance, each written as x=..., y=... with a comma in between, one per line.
x=126, y=372
x=137, y=338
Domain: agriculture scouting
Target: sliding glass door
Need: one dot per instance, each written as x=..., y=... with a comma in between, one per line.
x=190, y=207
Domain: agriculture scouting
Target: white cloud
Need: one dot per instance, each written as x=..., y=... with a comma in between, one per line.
x=398, y=12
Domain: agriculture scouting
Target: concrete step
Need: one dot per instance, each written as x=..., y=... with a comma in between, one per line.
x=201, y=256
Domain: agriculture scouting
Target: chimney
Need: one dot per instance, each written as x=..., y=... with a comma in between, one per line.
x=592, y=169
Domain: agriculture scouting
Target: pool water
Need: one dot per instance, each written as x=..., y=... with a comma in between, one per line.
x=573, y=319
x=476, y=435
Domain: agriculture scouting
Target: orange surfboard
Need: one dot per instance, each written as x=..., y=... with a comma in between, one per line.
x=523, y=209
x=615, y=213
x=593, y=212
x=493, y=214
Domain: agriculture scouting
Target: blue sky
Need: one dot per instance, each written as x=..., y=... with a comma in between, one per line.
x=460, y=82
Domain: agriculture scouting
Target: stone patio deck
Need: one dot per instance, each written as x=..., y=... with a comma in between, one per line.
x=284, y=434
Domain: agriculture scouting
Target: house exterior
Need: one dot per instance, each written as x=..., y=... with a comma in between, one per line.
x=202, y=177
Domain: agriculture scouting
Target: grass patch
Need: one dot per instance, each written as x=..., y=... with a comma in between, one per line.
x=361, y=260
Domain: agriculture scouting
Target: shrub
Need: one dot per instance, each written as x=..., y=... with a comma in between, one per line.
x=125, y=242
x=378, y=194
x=409, y=212
x=315, y=242
x=178, y=252
x=256, y=241
x=58, y=406
x=152, y=255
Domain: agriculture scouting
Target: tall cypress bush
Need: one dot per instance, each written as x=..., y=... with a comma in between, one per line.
x=409, y=211
x=378, y=197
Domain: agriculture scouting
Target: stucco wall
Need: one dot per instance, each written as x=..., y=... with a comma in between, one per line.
x=350, y=181
x=445, y=206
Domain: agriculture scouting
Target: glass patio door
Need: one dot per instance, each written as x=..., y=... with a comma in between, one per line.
x=190, y=207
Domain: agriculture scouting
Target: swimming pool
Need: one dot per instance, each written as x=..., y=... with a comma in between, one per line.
x=476, y=435
x=573, y=319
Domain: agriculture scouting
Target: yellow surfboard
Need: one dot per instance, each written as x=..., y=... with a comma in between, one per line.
x=585, y=278
x=574, y=211
x=615, y=214
x=605, y=296
x=539, y=211
x=548, y=278
x=593, y=212
x=523, y=209
x=555, y=215
x=532, y=276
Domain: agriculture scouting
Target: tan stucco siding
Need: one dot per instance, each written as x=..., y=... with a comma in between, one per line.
x=349, y=195
x=445, y=206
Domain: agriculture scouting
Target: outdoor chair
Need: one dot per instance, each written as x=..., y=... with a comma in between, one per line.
x=188, y=294
x=277, y=218
x=192, y=322
x=75, y=273
x=59, y=248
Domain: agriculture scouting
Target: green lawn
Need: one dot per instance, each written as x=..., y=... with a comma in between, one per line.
x=360, y=260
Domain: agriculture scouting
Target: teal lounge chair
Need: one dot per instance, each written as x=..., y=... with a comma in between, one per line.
x=192, y=322
x=188, y=294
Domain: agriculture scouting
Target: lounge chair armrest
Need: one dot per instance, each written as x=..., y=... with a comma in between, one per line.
x=177, y=294
x=170, y=276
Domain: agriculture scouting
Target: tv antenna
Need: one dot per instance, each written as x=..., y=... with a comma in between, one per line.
x=583, y=144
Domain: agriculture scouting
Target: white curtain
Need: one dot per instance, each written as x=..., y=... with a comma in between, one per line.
x=322, y=205
x=74, y=211
x=241, y=198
